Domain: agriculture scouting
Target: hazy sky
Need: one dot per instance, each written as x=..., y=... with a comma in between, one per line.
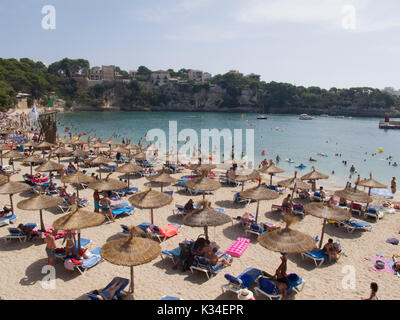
x=326, y=43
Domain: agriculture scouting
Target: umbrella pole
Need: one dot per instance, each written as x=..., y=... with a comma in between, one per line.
x=1, y=158
x=11, y=203
x=206, y=232
x=100, y=170
x=41, y=221
x=132, y=284
x=322, y=234
x=31, y=168
x=12, y=160
x=129, y=175
x=161, y=187
x=204, y=195
x=77, y=194
x=152, y=218
x=258, y=206
x=242, y=186
x=270, y=181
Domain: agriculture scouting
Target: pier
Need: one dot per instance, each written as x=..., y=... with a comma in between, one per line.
x=389, y=124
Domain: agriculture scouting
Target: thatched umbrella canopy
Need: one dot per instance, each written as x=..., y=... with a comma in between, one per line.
x=49, y=166
x=203, y=167
x=99, y=161
x=371, y=183
x=77, y=178
x=206, y=217
x=120, y=149
x=162, y=177
x=244, y=175
x=39, y=202
x=203, y=184
x=140, y=156
x=258, y=194
x=4, y=178
x=78, y=219
x=294, y=183
x=79, y=153
x=12, y=188
x=150, y=199
x=353, y=195
x=45, y=145
x=33, y=159
x=226, y=165
x=271, y=170
x=129, y=168
x=327, y=212
x=30, y=144
x=61, y=152
x=13, y=155
x=130, y=252
x=313, y=176
x=107, y=184
x=287, y=240
x=99, y=145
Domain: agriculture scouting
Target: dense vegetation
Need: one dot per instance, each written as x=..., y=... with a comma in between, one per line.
x=66, y=78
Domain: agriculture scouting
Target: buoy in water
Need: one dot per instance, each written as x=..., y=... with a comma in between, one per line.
x=276, y=129
x=380, y=150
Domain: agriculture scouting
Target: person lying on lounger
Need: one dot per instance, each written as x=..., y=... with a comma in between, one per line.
x=109, y=293
x=188, y=208
x=210, y=253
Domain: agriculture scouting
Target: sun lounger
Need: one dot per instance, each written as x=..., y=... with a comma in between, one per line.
x=319, y=257
x=16, y=233
x=275, y=188
x=120, y=209
x=242, y=281
x=357, y=208
x=162, y=234
x=298, y=209
x=238, y=199
x=171, y=254
x=317, y=197
x=278, y=207
x=5, y=221
x=268, y=288
x=89, y=262
x=258, y=229
x=60, y=252
x=92, y=295
x=170, y=298
x=354, y=224
x=204, y=265
x=374, y=213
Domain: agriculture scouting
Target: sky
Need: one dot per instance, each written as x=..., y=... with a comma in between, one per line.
x=325, y=43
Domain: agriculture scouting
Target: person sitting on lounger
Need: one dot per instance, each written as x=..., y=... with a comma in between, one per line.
x=71, y=167
x=188, y=208
x=26, y=230
x=109, y=293
x=281, y=275
x=330, y=250
x=210, y=252
x=286, y=203
x=63, y=192
x=342, y=202
x=322, y=192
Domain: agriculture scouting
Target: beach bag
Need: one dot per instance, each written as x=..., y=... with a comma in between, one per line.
x=185, y=258
x=68, y=264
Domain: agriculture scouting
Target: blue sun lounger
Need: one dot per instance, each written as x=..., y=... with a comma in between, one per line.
x=268, y=288
x=7, y=220
x=354, y=224
x=122, y=208
x=242, y=281
x=171, y=254
x=117, y=294
x=204, y=265
x=90, y=262
x=319, y=257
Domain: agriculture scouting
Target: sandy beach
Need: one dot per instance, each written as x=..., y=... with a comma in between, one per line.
x=23, y=262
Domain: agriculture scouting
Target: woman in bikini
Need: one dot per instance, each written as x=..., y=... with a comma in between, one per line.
x=70, y=243
x=105, y=204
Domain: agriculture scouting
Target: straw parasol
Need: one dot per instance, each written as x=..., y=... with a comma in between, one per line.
x=162, y=177
x=4, y=178
x=313, y=176
x=327, y=212
x=99, y=161
x=150, y=199
x=12, y=188
x=78, y=219
x=61, y=152
x=243, y=175
x=140, y=156
x=39, y=202
x=201, y=167
x=33, y=159
x=371, y=183
x=120, y=149
x=258, y=194
x=130, y=252
x=128, y=168
x=49, y=166
x=77, y=178
x=45, y=145
x=80, y=154
x=271, y=170
x=203, y=184
x=294, y=183
x=206, y=217
x=353, y=195
x=287, y=240
x=107, y=184
x=12, y=155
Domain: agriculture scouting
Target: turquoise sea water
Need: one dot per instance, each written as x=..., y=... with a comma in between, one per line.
x=285, y=135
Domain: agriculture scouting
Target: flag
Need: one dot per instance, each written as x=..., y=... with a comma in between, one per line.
x=34, y=115
x=50, y=104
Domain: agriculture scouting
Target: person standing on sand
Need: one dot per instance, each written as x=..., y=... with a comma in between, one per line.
x=96, y=199
x=50, y=247
x=393, y=185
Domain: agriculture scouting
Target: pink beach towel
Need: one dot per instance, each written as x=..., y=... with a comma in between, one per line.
x=388, y=266
x=238, y=247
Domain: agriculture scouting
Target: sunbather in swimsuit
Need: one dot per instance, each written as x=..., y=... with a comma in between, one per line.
x=109, y=293
x=70, y=243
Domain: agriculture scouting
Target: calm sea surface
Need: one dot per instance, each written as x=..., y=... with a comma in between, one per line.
x=285, y=135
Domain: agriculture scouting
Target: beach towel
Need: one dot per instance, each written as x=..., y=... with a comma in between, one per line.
x=387, y=265
x=238, y=247
x=382, y=192
x=169, y=231
x=393, y=241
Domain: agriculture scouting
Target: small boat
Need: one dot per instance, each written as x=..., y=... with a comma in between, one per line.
x=339, y=117
x=324, y=115
x=323, y=155
x=289, y=160
x=301, y=167
x=262, y=117
x=305, y=116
